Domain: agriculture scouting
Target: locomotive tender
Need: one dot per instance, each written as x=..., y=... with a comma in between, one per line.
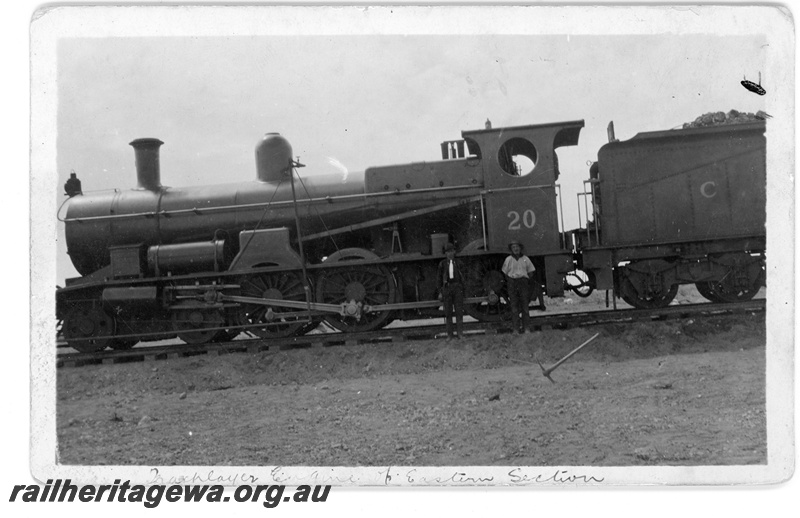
x=679, y=207
x=276, y=255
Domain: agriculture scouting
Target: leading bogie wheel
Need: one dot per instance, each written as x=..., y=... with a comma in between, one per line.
x=89, y=329
x=197, y=325
x=122, y=344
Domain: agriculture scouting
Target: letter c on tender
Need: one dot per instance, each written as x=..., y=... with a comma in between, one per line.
x=704, y=189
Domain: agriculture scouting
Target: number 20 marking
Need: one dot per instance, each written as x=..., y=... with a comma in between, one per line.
x=528, y=219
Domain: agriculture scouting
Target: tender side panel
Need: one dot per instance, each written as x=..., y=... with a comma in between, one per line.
x=671, y=187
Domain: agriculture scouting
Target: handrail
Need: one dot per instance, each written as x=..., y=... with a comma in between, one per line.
x=247, y=206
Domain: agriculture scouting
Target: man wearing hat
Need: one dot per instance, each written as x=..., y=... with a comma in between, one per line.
x=451, y=290
x=518, y=270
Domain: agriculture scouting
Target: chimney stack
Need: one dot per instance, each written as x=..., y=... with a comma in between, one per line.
x=148, y=171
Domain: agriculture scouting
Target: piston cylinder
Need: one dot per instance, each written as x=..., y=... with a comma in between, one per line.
x=130, y=297
x=187, y=257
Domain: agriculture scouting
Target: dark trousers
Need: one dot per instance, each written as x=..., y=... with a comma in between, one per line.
x=519, y=297
x=453, y=300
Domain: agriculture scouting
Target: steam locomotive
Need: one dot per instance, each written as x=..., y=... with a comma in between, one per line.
x=275, y=256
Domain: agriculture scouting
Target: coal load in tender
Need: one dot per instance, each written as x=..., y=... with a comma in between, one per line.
x=721, y=119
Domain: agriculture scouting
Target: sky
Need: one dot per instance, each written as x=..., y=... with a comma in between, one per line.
x=360, y=101
x=211, y=99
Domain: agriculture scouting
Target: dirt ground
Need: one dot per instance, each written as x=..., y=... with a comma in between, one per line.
x=682, y=392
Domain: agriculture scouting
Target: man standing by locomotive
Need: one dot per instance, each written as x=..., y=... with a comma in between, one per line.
x=518, y=270
x=451, y=290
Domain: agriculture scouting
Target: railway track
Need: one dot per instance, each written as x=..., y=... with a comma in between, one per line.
x=539, y=321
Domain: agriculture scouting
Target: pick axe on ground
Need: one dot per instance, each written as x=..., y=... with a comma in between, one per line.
x=547, y=371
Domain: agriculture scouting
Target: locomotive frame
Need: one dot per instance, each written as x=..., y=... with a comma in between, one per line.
x=206, y=263
x=151, y=283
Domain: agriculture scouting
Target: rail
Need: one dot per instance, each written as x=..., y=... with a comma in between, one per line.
x=426, y=332
x=278, y=318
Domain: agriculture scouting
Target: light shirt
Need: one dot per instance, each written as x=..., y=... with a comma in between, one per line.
x=451, y=268
x=518, y=268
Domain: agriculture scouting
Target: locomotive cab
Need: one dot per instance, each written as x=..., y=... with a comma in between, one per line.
x=521, y=194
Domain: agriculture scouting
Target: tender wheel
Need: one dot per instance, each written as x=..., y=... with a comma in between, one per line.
x=192, y=324
x=744, y=277
x=357, y=286
x=649, y=300
x=727, y=290
x=706, y=289
x=277, y=321
x=89, y=330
